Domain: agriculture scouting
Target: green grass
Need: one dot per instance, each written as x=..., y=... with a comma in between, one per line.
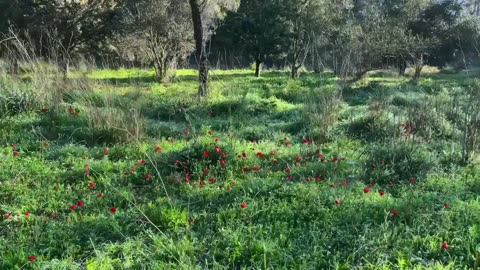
x=313, y=205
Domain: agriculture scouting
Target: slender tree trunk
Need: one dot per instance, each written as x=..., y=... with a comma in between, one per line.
x=418, y=72
x=13, y=66
x=402, y=68
x=258, y=67
x=200, y=48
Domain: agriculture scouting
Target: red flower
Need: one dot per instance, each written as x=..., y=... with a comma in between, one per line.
x=148, y=176
x=273, y=153
x=256, y=168
x=202, y=183
x=73, y=207
x=223, y=162
x=243, y=205
x=143, y=161
x=287, y=170
x=32, y=258
x=381, y=193
x=100, y=195
x=46, y=144
x=246, y=169
x=27, y=214
x=320, y=155
x=287, y=143
x=8, y=216
x=16, y=153
x=338, y=202
x=191, y=221
x=290, y=177
x=186, y=132
x=86, y=171
x=105, y=150
x=224, y=155
x=260, y=154
x=158, y=148
x=412, y=180
x=210, y=132
x=446, y=205
x=80, y=203
x=205, y=171
x=218, y=149
x=212, y=180
x=113, y=210
x=133, y=169
x=13, y=145
x=371, y=185
x=92, y=184
x=229, y=188
x=366, y=190
x=344, y=183
x=318, y=178
x=394, y=213
x=306, y=141
x=444, y=245
x=298, y=158
x=206, y=154
x=244, y=155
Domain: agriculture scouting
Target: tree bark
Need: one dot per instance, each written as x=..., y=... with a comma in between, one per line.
x=294, y=73
x=200, y=48
x=418, y=72
x=402, y=68
x=258, y=67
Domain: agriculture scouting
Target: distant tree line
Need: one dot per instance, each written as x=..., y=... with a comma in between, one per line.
x=350, y=37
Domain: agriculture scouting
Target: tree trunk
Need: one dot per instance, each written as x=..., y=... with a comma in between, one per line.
x=65, y=68
x=14, y=66
x=418, y=72
x=258, y=67
x=294, y=73
x=402, y=68
x=200, y=48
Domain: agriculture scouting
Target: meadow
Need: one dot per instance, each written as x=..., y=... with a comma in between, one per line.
x=113, y=170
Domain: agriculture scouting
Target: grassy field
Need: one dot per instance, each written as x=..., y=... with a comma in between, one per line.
x=112, y=170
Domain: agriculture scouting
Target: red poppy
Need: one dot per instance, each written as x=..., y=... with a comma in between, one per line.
x=8, y=216
x=246, y=169
x=287, y=170
x=320, y=155
x=224, y=155
x=203, y=183
x=186, y=132
x=212, y=180
x=13, y=145
x=73, y=207
x=394, y=213
x=306, y=141
x=412, y=180
x=16, y=153
x=46, y=144
x=244, y=154
x=210, y=132
x=338, y=202
x=381, y=193
x=148, y=176
x=446, y=205
x=80, y=203
x=243, y=205
x=287, y=143
x=298, y=158
x=133, y=169
x=32, y=258
x=371, y=185
x=444, y=245
x=27, y=214
x=113, y=210
x=100, y=195
x=223, y=162
x=366, y=190
x=206, y=154
x=256, y=168
x=206, y=171
x=158, y=148
x=92, y=184
x=143, y=161
x=259, y=154
x=344, y=183
x=290, y=177
x=105, y=150
x=86, y=171
x=218, y=149
x=229, y=188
